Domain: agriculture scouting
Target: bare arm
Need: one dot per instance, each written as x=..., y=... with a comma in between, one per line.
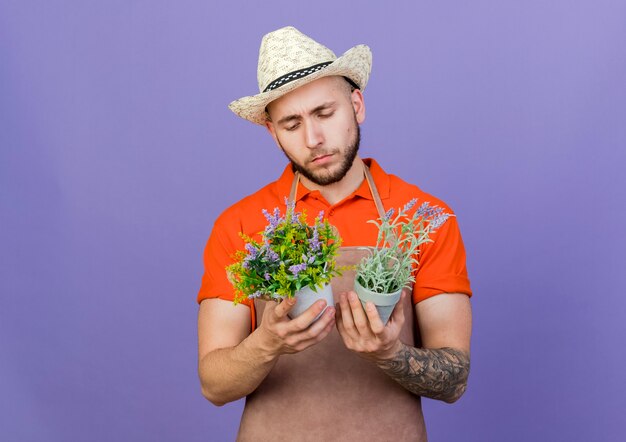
x=440, y=369
x=233, y=362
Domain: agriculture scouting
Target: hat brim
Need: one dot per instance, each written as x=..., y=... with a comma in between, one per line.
x=355, y=63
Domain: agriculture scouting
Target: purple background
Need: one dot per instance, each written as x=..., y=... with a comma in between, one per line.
x=117, y=152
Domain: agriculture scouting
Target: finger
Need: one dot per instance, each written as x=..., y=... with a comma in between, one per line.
x=327, y=318
x=348, y=338
x=345, y=316
x=339, y=320
x=318, y=338
x=303, y=321
x=298, y=341
x=358, y=315
x=284, y=307
x=338, y=310
x=398, y=312
x=376, y=324
x=339, y=323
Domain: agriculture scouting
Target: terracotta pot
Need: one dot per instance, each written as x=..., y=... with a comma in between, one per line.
x=384, y=302
x=305, y=298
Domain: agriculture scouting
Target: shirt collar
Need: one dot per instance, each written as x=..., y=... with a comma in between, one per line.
x=381, y=178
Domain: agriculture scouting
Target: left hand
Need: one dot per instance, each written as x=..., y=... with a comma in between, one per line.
x=363, y=331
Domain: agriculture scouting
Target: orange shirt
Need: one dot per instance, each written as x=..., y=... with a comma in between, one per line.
x=441, y=262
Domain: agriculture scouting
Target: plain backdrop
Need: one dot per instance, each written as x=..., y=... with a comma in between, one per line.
x=117, y=153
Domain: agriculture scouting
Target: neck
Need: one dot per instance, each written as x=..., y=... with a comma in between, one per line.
x=333, y=193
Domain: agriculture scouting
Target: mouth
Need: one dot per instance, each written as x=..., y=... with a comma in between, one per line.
x=322, y=159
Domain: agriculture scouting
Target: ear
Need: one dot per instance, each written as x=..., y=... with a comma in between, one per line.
x=358, y=103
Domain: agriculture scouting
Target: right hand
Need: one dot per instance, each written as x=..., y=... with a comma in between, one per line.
x=283, y=335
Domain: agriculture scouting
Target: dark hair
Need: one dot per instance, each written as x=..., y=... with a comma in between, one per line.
x=352, y=84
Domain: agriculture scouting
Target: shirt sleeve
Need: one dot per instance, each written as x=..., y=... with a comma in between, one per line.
x=442, y=267
x=223, y=242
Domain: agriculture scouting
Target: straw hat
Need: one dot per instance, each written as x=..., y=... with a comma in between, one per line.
x=289, y=59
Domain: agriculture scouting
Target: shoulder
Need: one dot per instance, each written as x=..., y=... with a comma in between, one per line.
x=396, y=192
x=401, y=192
x=246, y=215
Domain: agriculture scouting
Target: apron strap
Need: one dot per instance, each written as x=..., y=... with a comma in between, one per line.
x=370, y=182
x=294, y=187
x=374, y=190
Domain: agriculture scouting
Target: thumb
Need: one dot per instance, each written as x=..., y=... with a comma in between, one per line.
x=284, y=307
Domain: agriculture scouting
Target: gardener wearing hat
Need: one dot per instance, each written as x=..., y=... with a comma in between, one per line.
x=344, y=376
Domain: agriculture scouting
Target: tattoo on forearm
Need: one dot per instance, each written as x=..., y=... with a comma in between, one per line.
x=435, y=373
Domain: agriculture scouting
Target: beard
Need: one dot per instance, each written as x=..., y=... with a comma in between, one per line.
x=324, y=177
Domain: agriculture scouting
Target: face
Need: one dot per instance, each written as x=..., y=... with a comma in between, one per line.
x=317, y=127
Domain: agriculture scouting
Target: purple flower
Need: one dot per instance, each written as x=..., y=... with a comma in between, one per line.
x=434, y=212
x=315, y=240
x=320, y=217
x=408, y=206
x=273, y=219
x=255, y=294
x=388, y=214
x=421, y=211
x=297, y=268
x=439, y=220
x=308, y=259
x=272, y=255
x=253, y=252
x=267, y=276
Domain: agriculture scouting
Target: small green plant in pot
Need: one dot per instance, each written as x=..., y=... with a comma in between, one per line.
x=390, y=265
x=293, y=259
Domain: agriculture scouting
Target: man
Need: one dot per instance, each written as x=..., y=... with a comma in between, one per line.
x=345, y=376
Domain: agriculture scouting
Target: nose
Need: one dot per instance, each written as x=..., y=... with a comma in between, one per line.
x=314, y=135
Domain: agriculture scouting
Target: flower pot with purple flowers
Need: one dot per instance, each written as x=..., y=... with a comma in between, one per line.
x=291, y=259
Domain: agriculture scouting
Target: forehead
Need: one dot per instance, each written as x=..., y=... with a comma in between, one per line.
x=308, y=96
